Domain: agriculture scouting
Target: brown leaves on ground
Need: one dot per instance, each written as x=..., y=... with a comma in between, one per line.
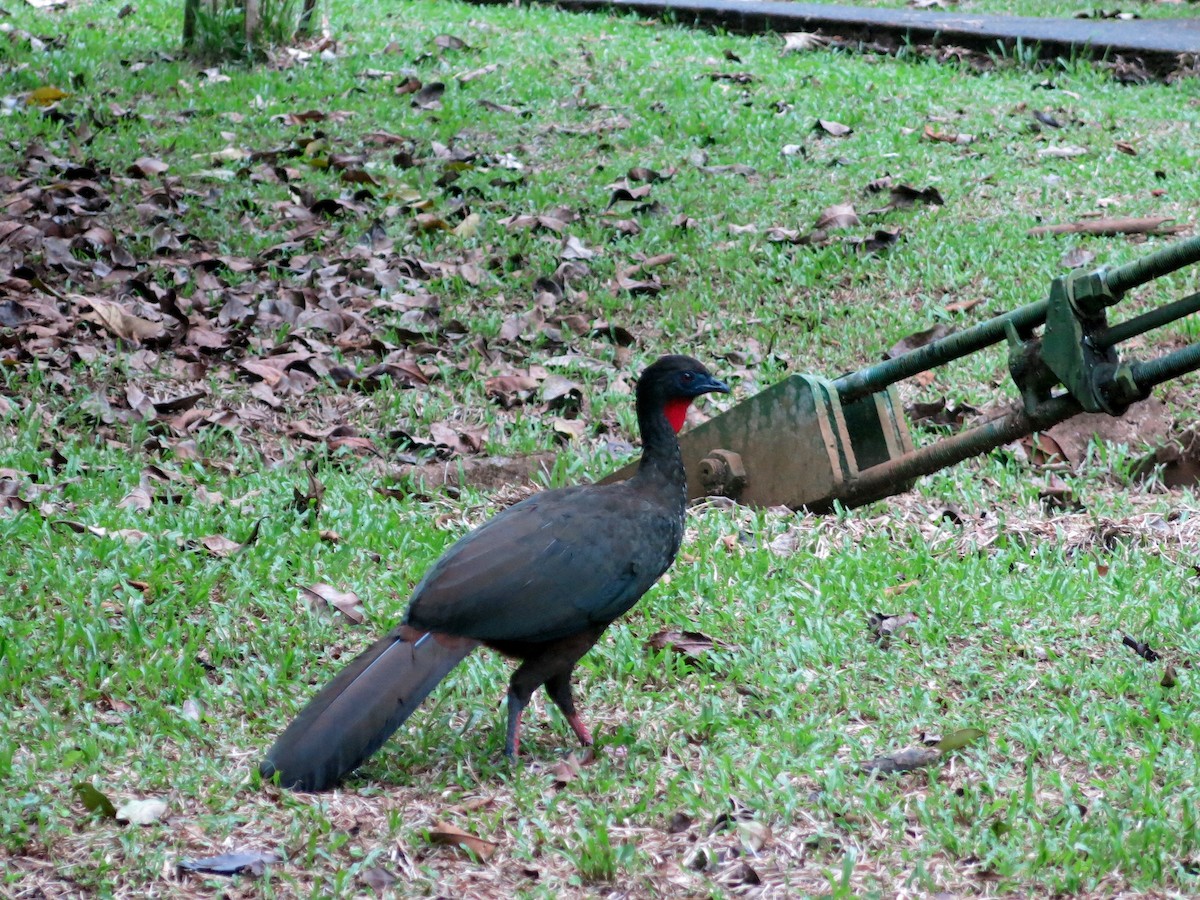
x=289, y=344
x=322, y=595
x=918, y=340
x=470, y=844
x=844, y=216
x=691, y=645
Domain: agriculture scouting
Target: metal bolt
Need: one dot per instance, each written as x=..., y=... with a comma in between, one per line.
x=722, y=474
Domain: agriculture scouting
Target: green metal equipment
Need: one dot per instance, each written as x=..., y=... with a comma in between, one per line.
x=809, y=442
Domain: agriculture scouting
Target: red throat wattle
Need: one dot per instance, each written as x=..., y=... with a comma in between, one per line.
x=676, y=409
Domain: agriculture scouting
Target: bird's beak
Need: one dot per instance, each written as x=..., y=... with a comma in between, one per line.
x=710, y=385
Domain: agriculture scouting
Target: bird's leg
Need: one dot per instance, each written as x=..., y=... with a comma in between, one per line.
x=559, y=689
x=512, y=739
x=551, y=664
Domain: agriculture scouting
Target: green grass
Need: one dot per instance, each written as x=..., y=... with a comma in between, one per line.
x=1087, y=780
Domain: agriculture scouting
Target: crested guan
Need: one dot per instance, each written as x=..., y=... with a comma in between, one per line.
x=539, y=582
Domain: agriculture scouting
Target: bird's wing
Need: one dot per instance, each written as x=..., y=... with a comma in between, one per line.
x=549, y=566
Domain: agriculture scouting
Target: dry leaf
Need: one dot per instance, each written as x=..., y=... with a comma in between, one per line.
x=1062, y=152
x=124, y=325
x=573, y=248
x=251, y=862
x=479, y=848
x=841, y=215
x=691, y=644
x=800, y=41
x=837, y=129
x=141, y=812
x=947, y=137
x=345, y=602
x=1141, y=648
x=918, y=340
x=45, y=96
x=137, y=499
x=128, y=534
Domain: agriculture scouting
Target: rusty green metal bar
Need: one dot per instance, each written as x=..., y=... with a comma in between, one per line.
x=1156, y=318
x=1156, y=265
x=1109, y=284
x=880, y=481
x=955, y=346
x=1156, y=371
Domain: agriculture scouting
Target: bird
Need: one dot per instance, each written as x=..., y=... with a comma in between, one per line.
x=539, y=582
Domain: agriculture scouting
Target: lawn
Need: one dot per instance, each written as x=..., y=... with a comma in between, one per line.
x=274, y=336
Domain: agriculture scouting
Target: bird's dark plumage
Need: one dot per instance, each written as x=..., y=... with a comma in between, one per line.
x=540, y=582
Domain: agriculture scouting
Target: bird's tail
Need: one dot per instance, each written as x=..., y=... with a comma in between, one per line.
x=356, y=712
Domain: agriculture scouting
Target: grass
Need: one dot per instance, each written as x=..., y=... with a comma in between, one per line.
x=149, y=667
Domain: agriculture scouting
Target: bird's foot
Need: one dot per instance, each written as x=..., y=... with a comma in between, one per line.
x=581, y=730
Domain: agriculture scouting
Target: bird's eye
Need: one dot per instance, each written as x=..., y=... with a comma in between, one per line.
x=688, y=376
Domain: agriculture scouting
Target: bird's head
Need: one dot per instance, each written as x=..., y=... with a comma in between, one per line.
x=672, y=382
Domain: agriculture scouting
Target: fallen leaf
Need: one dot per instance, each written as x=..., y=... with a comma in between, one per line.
x=841, y=215
x=572, y=430
x=346, y=602
x=46, y=96
x=958, y=306
x=377, y=878
x=450, y=42
x=142, y=812
x=1077, y=257
x=753, y=834
x=692, y=645
x=510, y=390
x=882, y=239
x=800, y=41
x=956, y=740
x=573, y=248
x=94, y=801
x=128, y=534
x=1043, y=450
x=474, y=846
x=220, y=546
x=1062, y=152
x=917, y=340
x=637, y=287
x=1175, y=462
x=468, y=227
x=565, y=770
x=147, y=167
x=943, y=137
x=124, y=325
x=1141, y=648
x=884, y=625
x=252, y=862
x=836, y=129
